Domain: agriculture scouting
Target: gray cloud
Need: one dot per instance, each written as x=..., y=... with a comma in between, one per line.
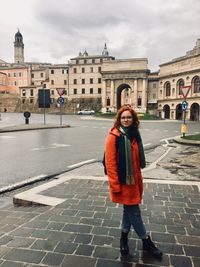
x=57, y=30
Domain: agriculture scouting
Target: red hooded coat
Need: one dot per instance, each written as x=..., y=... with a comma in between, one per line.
x=122, y=193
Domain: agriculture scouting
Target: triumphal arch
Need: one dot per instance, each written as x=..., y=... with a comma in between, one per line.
x=124, y=81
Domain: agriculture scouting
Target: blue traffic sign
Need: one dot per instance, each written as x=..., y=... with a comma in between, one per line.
x=184, y=105
x=60, y=100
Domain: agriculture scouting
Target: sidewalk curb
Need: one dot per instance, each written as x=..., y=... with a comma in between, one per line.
x=186, y=141
x=31, y=127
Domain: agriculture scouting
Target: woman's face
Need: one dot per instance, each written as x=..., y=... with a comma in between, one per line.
x=126, y=119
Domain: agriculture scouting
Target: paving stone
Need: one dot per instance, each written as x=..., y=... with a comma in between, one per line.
x=161, y=220
x=106, y=253
x=180, y=261
x=25, y=255
x=62, y=236
x=91, y=221
x=53, y=259
x=21, y=242
x=171, y=248
x=65, y=219
x=83, y=238
x=176, y=229
x=196, y=262
x=162, y=237
x=23, y=232
x=156, y=227
x=66, y=247
x=103, y=215
x=110, y=223
x=55, y=226
x=102, y=240
x=192, y=251
x=116, y=232
x=193, y=231
x=77, y=228
x=110, y=263
x=37, y=224
x=72, y=261
x=41, y=233
x=70, y=212
x=188, y=240
x=3, y=251
x=13, y=264
x=48, y=245
x=100, y=230
x=85, y=250
x=5, y=239
x=86, y=214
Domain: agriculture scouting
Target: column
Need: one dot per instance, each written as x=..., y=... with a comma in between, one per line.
x=103, y=96
x=112, y=94
x=135, y=93
x=144, y=94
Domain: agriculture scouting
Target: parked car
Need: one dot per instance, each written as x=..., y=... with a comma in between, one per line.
x=86, y=112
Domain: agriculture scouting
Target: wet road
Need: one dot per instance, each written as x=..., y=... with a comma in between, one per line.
x=28, y=154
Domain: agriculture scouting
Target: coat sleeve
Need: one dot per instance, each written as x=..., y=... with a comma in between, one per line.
x=111, y=163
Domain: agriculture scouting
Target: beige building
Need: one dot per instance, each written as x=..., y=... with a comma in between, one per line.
x=180, y=72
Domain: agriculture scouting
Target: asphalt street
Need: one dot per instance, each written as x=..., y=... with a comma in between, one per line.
x=45, y=152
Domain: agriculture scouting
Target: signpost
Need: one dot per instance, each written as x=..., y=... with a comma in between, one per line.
x=185, y=91
x=60, y=101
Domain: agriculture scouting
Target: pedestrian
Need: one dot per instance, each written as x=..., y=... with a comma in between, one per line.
x=124, y=158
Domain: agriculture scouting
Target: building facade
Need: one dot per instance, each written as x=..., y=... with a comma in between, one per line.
x=178, y=73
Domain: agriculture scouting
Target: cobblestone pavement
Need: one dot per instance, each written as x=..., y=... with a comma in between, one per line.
x=84, y=230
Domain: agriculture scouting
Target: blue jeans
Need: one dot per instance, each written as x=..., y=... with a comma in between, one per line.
x=132, y=216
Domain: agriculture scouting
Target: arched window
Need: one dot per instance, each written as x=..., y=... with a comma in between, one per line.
x=196, y=84
x=167, y=89
x=179, y=85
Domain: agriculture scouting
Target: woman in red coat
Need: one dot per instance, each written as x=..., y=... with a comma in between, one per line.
x=124, y=158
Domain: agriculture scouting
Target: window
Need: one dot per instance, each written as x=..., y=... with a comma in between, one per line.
x=75, y=81
x=52, y=82
x=91, y=80
x=65, y=71
x=93, y=60
x=83, y=81
x=31, y=100
x=15, y=74
x=99, y=69
x=44, y=85
x=8, y=74
x=41, y=74
x=83, y=91
x=154, y=85
x=31, y=92
x=32, y=75
x=52, y=92
x=74, y=70
x=140, y=101
x=75, y=91
x=85, y=61
x=83, y=70
x=52, y=71
x=20, y=74
x=167, y=89
x=99, y=80
x=196, y=84
x=91, y=90
x=179, y=86
x=108, y=102
x=91, y=69
x=99, y=90
x=65, y=82
x=23, y=101
x=101, y=60
x=15, y=83
x=23, y=92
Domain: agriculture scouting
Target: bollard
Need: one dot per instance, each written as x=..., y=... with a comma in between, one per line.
x=26, y=120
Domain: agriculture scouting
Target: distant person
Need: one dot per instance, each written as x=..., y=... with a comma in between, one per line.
x=124, y=158
x=5, y=110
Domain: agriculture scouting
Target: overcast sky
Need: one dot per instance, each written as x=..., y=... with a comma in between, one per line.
x=55, y=31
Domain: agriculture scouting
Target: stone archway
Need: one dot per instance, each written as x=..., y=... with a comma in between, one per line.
x=166, y=110
x=179, y=112
x=194, y=112
x=127, y=95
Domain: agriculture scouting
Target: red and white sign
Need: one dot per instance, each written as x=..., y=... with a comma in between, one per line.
x=60, y=91
x=185, y=91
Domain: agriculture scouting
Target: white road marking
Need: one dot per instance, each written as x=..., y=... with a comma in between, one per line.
x=53, y=146
x=81, y=163
x=6, y=137
x=147, y=144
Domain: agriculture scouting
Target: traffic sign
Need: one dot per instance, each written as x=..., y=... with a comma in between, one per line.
x=60, y=91
x=60, y=100
x=184, y=105
x=185, y=91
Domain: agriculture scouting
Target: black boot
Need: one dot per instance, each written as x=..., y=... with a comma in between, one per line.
x=124, y=248
x=149, y=246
